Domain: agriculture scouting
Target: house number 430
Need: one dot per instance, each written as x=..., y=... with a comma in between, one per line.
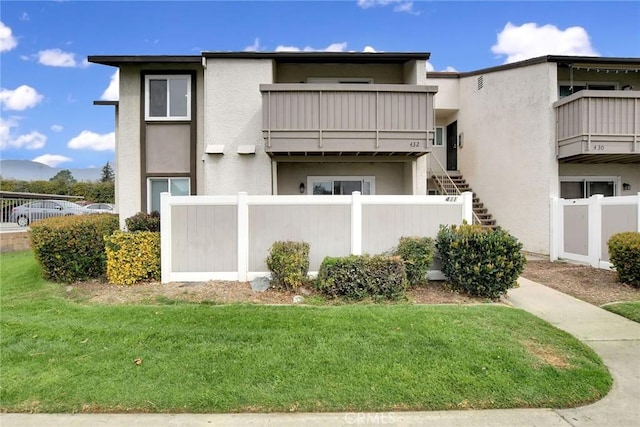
x=598, y=147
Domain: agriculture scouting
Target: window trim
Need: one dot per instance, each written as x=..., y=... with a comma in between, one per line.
x=585, y=179
x=435, y=136
x=167, y=77
x=163, y=178
x=332, y=178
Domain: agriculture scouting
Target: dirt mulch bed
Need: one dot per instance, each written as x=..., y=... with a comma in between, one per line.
x=589, y=284
x=222, y=292
x=586, y=283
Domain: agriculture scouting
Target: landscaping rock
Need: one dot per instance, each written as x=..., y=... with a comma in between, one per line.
x=298, y=299
x=305, y=291
x=260, y=284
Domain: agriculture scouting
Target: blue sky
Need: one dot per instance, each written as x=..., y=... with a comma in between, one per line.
x=47, y=88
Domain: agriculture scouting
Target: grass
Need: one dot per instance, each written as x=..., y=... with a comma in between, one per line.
x=630, y=310
x=63, y=356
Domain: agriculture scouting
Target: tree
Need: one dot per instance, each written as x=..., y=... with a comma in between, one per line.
x=107, y=173
x=64, y=176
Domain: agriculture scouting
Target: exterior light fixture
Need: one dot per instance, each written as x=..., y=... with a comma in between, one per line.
x=302, y=188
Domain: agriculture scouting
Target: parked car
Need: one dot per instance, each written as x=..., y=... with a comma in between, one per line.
x=40, y=209
x=99, y=208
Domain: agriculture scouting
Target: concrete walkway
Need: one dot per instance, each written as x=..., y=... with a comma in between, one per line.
x=614, y=338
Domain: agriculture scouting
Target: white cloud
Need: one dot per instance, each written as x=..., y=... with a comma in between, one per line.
x=369, y=49
x=530, y=40
x=52, y=160
x=7, y=41
x=88, y=140
x=56, y=128
x=449, y=69
x=25, y=17
x=430, y=66
x=398, y=5
x=19, y=99
x=112, y=92
x=31, y=141
x=59, y=58
x=255, y=47
x=333, y=47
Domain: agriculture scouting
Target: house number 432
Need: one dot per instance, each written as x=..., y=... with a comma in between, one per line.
x=414, y=144
x=598, y=147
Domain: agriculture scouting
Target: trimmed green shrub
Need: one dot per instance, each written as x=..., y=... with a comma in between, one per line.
x=624, y=254
x=289, y=263
x=417, y=254
x=144, y=222
x=356, y=277
x=71, y=248
x=480, y=261
x=132, y=257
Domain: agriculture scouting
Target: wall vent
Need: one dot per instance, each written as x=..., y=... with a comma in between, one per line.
x=480, y=82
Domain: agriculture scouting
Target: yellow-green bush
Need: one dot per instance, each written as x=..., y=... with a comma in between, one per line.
x=624, y=254
x=71, y=248
x=132, y=257
x=289, y=263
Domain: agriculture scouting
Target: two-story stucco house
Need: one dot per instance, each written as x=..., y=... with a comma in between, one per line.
x=553, y=126
x=332, y=123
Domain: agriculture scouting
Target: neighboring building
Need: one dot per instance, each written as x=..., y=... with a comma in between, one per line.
x=548, y=126
x=332, y=123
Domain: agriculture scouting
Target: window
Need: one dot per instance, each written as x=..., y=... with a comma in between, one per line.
x=168, y=97
x=156, y=186
x=336, y=185
x=566, y=88
x=580, y=187
x=439, y=141
x=340, y=80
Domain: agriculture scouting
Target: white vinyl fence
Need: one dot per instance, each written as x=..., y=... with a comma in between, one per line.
x=581, y=227
x=228, y=237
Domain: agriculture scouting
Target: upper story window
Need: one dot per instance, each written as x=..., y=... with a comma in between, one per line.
x=168, y=97
x=340, y=80
x=566, y=88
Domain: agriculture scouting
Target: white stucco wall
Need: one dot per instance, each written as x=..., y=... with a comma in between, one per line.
x=509, y=148
x=629, y=174
x=127, y=183
x=448, y=96
x=233, y=111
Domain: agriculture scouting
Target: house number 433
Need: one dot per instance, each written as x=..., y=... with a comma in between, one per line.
x=598, y=148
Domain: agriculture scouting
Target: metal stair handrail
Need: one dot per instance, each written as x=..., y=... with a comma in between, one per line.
x=446, y=183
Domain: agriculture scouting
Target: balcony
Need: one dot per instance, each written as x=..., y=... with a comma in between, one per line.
x=598, y=127
x=347, y=119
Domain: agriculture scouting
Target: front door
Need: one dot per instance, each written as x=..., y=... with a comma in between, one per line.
x=452, y=146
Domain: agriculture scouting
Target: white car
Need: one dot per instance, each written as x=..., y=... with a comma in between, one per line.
x=99, y=208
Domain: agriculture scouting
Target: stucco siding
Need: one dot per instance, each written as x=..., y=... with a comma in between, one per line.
x=508, y=155
x=233, y=110
x=128, y=145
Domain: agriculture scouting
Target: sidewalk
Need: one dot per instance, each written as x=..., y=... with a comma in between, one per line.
x=614, y=338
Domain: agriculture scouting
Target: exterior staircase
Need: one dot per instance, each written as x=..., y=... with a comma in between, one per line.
x=481, y=214
x=453, y=183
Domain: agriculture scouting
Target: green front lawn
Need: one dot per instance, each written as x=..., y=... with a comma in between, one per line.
x=630, y=310
x=64, y=356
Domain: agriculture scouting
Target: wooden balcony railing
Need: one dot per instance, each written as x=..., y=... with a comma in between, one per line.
x=348, y=119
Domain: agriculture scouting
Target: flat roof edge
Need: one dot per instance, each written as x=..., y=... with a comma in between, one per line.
x=102, y=102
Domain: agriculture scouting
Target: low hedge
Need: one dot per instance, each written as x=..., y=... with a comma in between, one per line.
x=132, y=257
x=624, y=254
x=289, y=264
x=144, y=222
x=480, y=261
x=417, y=254
x=356, y=277
x=71, y=248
